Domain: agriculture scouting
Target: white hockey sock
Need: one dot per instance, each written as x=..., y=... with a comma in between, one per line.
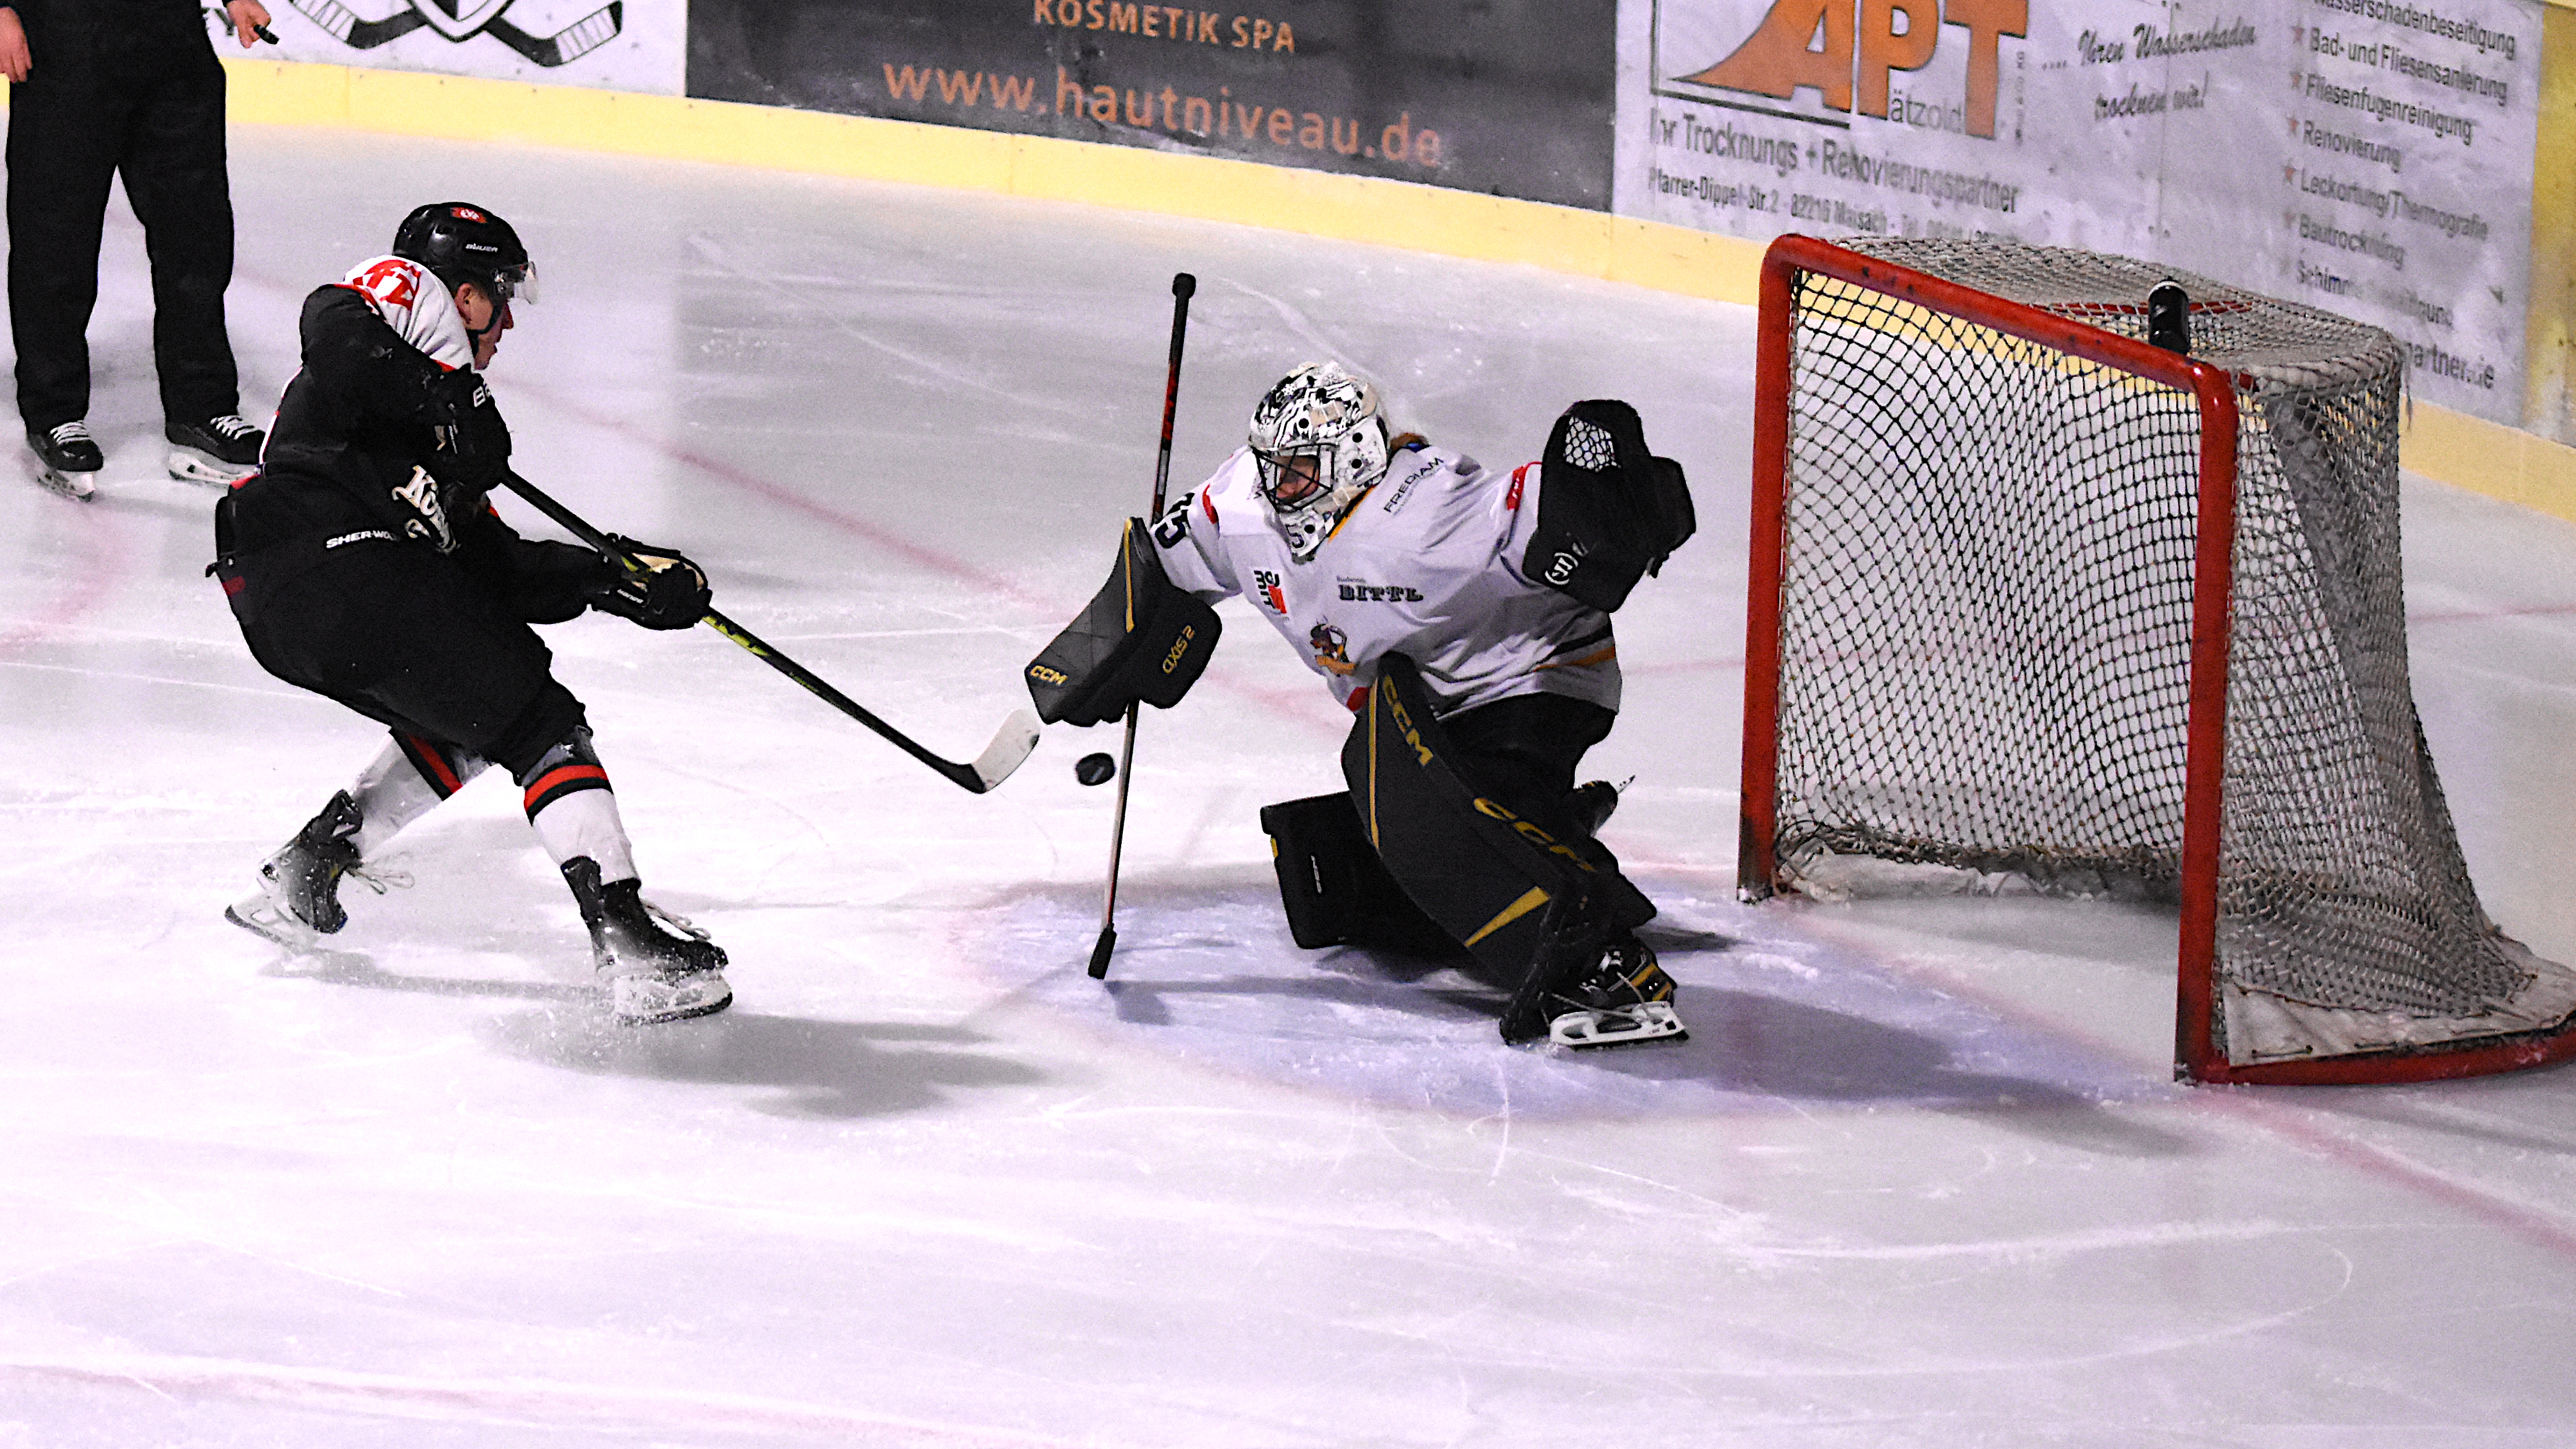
x=392, y=794
x=585, y=822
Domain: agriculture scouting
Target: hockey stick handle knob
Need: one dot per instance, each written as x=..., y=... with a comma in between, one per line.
x=1184, y=285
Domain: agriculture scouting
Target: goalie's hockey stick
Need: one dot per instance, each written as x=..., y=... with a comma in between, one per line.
x=1011, y=743
x=1183, y=284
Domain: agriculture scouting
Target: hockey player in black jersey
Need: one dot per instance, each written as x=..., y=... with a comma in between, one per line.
x=365, y=563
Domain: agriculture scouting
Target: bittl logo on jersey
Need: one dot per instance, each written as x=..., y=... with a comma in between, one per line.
x=1846, y=51
x=462, y=20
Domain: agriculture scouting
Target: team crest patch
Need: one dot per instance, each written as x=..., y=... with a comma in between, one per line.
x=1332, y=649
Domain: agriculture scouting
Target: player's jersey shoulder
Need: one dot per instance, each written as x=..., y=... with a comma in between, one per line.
x=1231, y=497
x=1421, y=472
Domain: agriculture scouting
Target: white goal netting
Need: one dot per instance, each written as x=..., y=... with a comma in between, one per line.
x=1985, y=636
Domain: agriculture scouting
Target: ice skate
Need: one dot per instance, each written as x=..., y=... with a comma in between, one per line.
x=299, y=895
x=221, y=450
x=655, y=973
x=66, y=456
x=1588, y=992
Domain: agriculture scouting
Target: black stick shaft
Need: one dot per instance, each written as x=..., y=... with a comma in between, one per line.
x=1183, y=285
x=579, y=528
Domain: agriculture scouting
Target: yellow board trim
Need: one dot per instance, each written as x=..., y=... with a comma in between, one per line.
x=1530, y=900
x=2503, y=462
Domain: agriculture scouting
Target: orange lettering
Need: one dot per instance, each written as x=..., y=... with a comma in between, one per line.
x=1986, y=21
x=1775, y=60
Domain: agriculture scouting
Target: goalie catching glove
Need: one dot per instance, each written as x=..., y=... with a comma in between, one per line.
x=1608, y=510
x=669, y=592
x=1140, y=638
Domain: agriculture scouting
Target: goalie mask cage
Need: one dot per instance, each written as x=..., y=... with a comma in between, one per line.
x=2033, y=598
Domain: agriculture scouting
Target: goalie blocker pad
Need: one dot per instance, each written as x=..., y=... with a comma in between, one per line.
x=1140, y=638
x=1608, y=510
x=1333, y=886
x=1466, y=860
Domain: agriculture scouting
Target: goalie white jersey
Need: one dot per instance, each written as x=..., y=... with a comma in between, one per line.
x=1425, y=564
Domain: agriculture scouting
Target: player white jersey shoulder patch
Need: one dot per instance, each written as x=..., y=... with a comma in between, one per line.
x=415, y=303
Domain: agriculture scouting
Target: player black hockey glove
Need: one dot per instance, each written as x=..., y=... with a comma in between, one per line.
x=671, y=592
x=1141, y=637
x=473, y=442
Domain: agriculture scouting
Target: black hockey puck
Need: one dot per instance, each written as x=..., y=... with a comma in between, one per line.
x=1095, y=769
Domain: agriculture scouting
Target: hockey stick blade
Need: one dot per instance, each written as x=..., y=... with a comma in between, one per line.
x=345, y=27
x=568, y=44
x=1100, y=950
x=1011, y=745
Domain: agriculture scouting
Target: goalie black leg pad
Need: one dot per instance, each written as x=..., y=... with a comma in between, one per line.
x=1470, y=862
x=1335, y=889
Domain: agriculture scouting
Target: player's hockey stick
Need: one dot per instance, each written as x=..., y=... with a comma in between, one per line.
x=570, y=43
x=1011, y=743
x=1183, y=284
x=349, y=30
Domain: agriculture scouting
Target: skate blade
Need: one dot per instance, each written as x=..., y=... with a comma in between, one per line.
x=190, y=466
x=1618, y=1026
x=75, y=486
x=650, y=998
x=260, y=916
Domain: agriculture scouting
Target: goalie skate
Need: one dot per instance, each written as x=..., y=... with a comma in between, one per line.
x=1616, y=1026
x=1595, y=995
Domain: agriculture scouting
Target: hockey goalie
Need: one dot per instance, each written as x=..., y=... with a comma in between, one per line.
x=1463, y=615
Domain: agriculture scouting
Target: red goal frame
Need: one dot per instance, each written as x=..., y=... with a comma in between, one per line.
x=2197, y=1056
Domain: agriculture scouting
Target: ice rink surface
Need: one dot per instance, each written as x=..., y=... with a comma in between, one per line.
x=1920, y=1176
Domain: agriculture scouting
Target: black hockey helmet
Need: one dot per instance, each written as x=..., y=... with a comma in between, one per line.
x=461, y=242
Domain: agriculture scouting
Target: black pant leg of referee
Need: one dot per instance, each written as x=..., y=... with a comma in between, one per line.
x=175, y=176
x=63, y=144
x=151, y=107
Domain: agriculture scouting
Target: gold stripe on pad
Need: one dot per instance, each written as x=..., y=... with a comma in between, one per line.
x=1530, y=900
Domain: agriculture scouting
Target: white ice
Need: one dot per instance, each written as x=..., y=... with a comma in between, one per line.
x=1920, y=1177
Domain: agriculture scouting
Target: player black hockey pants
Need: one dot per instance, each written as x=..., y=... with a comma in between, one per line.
x=97, y=104
x=407, y=638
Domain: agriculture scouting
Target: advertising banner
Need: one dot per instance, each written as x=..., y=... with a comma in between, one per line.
x=2369, y=157
x=1509, y=97
x=620, y=45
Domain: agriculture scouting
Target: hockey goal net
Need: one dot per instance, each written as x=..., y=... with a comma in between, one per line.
x=2038, y=605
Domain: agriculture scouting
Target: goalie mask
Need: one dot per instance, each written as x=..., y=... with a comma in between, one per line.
x=1321, y=442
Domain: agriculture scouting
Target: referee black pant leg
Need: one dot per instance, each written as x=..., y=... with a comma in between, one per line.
x=174, y=167
x=65, y=134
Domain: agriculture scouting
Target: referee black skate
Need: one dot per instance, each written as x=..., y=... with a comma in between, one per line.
x=103, y=89
x=365, y=563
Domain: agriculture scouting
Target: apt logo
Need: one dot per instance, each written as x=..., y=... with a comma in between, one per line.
x=1846, y=50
